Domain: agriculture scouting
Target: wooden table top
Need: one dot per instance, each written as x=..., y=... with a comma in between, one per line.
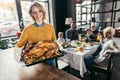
x=11, y=70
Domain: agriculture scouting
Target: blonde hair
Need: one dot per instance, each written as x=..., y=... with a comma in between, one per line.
x=109, y=29
x=36, y=4
x=60, y=33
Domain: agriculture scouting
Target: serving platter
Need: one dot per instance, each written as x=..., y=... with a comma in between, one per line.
x=34, y=53
x=34, y=61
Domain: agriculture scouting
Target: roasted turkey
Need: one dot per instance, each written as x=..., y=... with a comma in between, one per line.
x=42, y=50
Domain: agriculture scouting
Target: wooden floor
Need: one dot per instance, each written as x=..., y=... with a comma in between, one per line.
x=11, y=70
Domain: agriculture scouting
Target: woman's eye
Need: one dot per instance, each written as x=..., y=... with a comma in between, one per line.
x=34, y=12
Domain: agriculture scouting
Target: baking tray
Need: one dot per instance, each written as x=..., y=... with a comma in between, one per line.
x=42, y=60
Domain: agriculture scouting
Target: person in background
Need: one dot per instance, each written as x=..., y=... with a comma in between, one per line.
x=94, y=32
x=60, y=39
x=38, y=30
x=108, y=45
x=94, y=29
x=90, y=36
x=71, y=33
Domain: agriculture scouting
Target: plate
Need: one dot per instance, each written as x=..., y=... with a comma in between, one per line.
x=70, y=49
x=88, y=48
x=96, y=43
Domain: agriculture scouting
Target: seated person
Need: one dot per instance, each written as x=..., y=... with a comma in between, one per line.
x=108, y=45
x=71, y=33
x=94, y=31
x=60, y=40
x=90, y=36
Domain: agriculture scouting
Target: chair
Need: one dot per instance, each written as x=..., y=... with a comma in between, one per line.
x=63, y=65
x=106, y=70
x=115, y=74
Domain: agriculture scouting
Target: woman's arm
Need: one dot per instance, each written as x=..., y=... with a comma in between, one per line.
x=23, y=38
x=114, y=46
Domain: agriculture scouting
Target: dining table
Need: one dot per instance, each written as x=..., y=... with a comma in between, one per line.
x=10, y=69
x=75, y=58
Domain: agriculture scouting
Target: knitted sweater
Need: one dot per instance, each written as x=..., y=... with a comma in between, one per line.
x=35, y=34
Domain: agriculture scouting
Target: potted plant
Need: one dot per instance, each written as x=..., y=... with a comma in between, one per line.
x=82, y=37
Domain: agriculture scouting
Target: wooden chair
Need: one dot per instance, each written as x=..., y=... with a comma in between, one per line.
x=115, y=74
x=106, y=70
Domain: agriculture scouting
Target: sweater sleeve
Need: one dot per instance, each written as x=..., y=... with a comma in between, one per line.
x=114, y=46
x=23, y=38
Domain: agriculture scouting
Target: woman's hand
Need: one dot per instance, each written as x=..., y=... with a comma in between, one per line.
x=105, y=55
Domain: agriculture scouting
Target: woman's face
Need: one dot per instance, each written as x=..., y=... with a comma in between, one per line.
x=61, y=35
x=108, y=35
x=37, y=14
x=93, y=28
x=73, y=26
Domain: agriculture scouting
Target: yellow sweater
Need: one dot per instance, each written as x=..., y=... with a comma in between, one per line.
x=36, y=34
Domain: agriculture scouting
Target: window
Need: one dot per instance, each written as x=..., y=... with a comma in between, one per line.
x=83, y=12
x=8, y=18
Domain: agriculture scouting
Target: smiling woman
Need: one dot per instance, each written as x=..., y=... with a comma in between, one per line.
x=38, y=30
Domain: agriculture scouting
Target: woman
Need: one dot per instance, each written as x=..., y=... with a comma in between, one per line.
x=38, y=30
x=108, y=45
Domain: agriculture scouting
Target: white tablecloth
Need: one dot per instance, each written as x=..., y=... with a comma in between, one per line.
x=76, y=58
